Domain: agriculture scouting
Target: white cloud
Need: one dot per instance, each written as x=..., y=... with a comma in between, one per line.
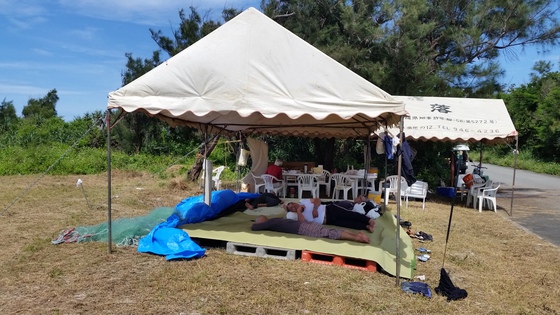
x=21, y=89
x=59, y=73
x=90, y=51
x=16, y=65
x=23, y=14
x=149, y=12
x=23, y=7
x=42, y=52
x=86, y=33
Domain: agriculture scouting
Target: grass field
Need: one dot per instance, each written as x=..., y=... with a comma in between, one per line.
x=504, y=269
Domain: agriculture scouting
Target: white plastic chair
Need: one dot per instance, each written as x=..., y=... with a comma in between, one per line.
x=325, y=180
x=273, y=184
x=343, y=184
x=476, y=190
x=393, y=188
x=477, y=183
x=259, y=182
x=417, y=190
x=361, y=186
x=488, y=196
x=216, y=182
x=461, y=190
x=216, y=176
x=308, y=182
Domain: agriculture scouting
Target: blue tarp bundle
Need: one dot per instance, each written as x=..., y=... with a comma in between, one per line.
x=171, y=242
x=194, y=210
x=166, y=239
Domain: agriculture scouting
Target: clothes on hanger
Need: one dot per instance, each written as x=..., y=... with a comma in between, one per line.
x=406, y=167
x=388, y=144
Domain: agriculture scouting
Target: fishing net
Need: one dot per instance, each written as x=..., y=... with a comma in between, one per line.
x=124, y=231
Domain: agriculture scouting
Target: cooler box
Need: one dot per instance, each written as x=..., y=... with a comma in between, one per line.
x=375, y=197
x=445, y=191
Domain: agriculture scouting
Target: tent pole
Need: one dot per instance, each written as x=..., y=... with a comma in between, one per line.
x=205, y=170
x=456, y=161
x=367, y=166
x=398, y=232
x=109, y=236
x=383, y=189
x=515, y=153
x=480, y=157
x=208, y=184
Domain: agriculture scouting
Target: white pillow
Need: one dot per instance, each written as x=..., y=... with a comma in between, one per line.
x=291, y=216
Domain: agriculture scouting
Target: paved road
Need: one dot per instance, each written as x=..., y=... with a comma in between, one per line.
x=536, y=200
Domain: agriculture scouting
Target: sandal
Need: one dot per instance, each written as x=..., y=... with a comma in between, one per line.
x=424, y=236
x=405, y=224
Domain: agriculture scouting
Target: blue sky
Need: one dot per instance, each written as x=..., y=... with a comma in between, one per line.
x=78, y=47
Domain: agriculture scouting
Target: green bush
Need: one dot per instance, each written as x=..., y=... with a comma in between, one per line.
x=59, y=159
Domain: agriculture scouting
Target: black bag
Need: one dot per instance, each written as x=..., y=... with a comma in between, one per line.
x=446, y=288
x=424, y=236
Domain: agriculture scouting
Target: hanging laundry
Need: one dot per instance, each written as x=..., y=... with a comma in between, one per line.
x=406, y=167
x=388, y=144
x=379, y=146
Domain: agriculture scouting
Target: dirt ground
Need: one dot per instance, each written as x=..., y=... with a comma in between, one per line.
x=505, y=269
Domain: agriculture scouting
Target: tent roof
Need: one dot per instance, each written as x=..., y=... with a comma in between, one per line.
x=251, y=75
x=457, y=119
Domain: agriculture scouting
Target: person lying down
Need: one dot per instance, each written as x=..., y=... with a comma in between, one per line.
x=305, y=228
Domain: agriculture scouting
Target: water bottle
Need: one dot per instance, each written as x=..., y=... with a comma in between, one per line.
x=305, y=168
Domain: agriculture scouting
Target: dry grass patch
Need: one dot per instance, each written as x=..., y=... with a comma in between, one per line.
x=504, y=269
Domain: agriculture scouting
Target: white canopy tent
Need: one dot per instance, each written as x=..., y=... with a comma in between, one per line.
x=451, y=119
x=457, y=119
x=253, y=76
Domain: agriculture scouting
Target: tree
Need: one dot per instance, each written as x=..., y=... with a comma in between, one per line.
x=44, y=107
x=8, y=116
x=534, y=110
x=136, y=128
x=548, y=123
x=191, y=29
x=139, y=132
x=93, y=121
x=438, y=48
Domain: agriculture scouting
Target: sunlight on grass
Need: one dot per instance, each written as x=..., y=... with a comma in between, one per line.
x=504, y=269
